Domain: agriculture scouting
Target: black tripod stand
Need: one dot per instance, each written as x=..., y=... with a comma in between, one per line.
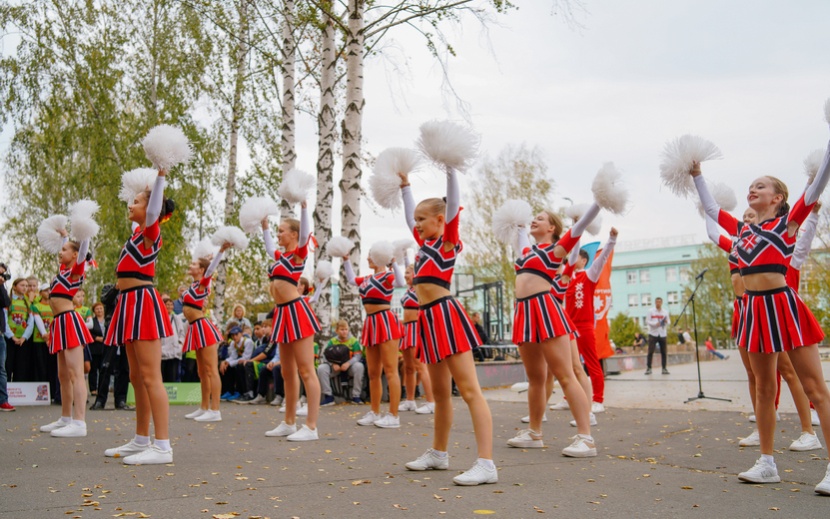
x=691, y=301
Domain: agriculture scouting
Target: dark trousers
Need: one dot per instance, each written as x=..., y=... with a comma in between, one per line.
x=653, y=341
x=265, y=378
x=118, y=365
x=40, y=361
x=191, y=370
x=95, y=370
x=233, y=381
x=170, y=370
x=19, y=361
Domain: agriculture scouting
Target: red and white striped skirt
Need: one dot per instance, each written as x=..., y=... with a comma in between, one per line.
x=293, y=321
x=380, y=327
x=139, y=316
x=201, y=333
x=445, y=329
x=777, y=320
x=409, y=335
x=538, y=318
x=737, y=315
x=67, y=331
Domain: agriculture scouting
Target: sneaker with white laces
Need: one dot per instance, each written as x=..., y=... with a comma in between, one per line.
x=806, y=442
x=303, y=434
x=525, y=440
x=823, y=488
x=429, y=460
x=580, y=448
x=277, y=401
x=761, y=472
x=258, y=400
x=209, y=416
x=71, y=430
x=283, y=429
x=303, y=410
x=427, y=408
x=57, y=424
x=128, y=449
x=561, y=406
x=153, y=455
x=388, y=421
x=593, y=420
x=526, y=419
x=479, y=474
x=195, y=414
x=368, y=419
x=408, y=405
x=753, y=440
x=814, y=417
x=597, y=407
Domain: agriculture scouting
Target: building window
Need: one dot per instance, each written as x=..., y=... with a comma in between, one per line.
x=645, y=321
x=631, y=276
x=673, y=297
x=645, y=300
x=671, y=274
x=684, y=274
x=645, y=276
x=633, y=300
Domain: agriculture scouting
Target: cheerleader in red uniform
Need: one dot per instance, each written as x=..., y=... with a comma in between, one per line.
x=381, y=331
x=410, y=339
x=775, y=319
x=294, y=324
x=68, y=335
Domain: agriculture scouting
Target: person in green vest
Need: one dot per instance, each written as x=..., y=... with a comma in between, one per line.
x=45, y=365
x=19, y=329
x=84, y=311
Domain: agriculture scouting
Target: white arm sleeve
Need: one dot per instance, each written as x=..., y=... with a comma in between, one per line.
x=269, y=243
x=816, y=188
x=318, y=291
x=83, y=250
x=804, y=242
x=213, y=264
x=41, y=326
x=408, y=206
x=305, y=226
x=574, y=255
x=400, y=279
x=522, y=241
x=350, y=277
x=709, y=205
x=712, y=230
x=453, y=194
x=154, y=204
x=596, y=267
x=580, y=226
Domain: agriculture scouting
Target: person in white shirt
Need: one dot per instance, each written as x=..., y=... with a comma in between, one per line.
x=657, y=321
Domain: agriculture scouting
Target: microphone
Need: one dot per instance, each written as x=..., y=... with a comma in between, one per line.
x=702, y=272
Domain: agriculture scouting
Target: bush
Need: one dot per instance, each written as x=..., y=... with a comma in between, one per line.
x=622, y=330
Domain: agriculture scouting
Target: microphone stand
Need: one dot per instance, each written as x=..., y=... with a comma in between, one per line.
x=691, y=301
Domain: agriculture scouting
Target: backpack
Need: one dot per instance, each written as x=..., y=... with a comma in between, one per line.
x=338, y=354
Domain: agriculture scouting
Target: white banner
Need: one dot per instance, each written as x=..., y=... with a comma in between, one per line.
x=28, y=393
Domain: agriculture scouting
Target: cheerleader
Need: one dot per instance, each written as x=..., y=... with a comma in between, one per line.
x=203, y=337
x=381, y=331
x=68, y=335
x=775, y=319
x=410, y=340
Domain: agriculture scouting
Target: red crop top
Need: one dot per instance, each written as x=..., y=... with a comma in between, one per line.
x=136, y=260
x=540, y=259
x=62, y=286
x=196, y=294
x=410, y=300
x=432, y=263
x=558, y=288
x=285, y=268
x=376, y=289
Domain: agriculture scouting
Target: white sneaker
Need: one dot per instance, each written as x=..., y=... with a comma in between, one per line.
x=71, y=430
x=806, y=442
x=283, y=429
x=823, y=488
x=761, y=472
x=526, y=419
x=753, y=419
x=477, y=475
x=427, y=408
x=195, y=414
x=258, y=400
x=150, y=456
x=368, y=419
x=388, y=421
x=593, y=420
x=277, y=401
x=57, y=424
x=561, y=406
x=429, y=460
x=753, y=440
x=597, y=407
x=580, y=448
x=302, y=411
x=525, y=440
x=304, y=434
x=209, y=416
x=814, y=417
x=408, y=405
x=127, y=449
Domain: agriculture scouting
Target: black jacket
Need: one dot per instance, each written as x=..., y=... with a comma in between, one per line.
x=95, y=347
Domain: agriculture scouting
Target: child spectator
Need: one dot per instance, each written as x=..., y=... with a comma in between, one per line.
x=342, y=354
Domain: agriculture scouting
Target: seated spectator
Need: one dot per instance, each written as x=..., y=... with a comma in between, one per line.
x=342, y=354
x=263, y=354
x=639, y=341
x=485, y=338
x=710, y=347
x=230, y=369
x=237, y=318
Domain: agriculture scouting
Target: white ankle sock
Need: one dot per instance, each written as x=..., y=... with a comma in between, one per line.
x=769, y=459
x=141, y=440
x=487, y=463
x=163, y=444
x=78, y=422
x=440, y=454
x=66, y=419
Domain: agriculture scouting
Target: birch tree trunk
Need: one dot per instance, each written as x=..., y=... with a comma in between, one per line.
x=327, y=132
x=240, y=60
x=287, y=142
x=351, y=137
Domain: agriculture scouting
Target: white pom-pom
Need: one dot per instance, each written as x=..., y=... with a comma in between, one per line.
x=449, y=144
x=80, y=215
x=508, y=218
x=296, y=185
x=678, y=156
x=401, y=246
x=386, y=190
x=204, y=249
x=324, y=270
x=382, y=253
x=83, y=209
x=385, y=183
x=609, y=191
x=136, y=181
x=230, y=234
x=577, y=211
x=166, y=146
x=48, y=233
x=812, y=163
x=723, y=195
x=339, y=246
x=254, y=210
